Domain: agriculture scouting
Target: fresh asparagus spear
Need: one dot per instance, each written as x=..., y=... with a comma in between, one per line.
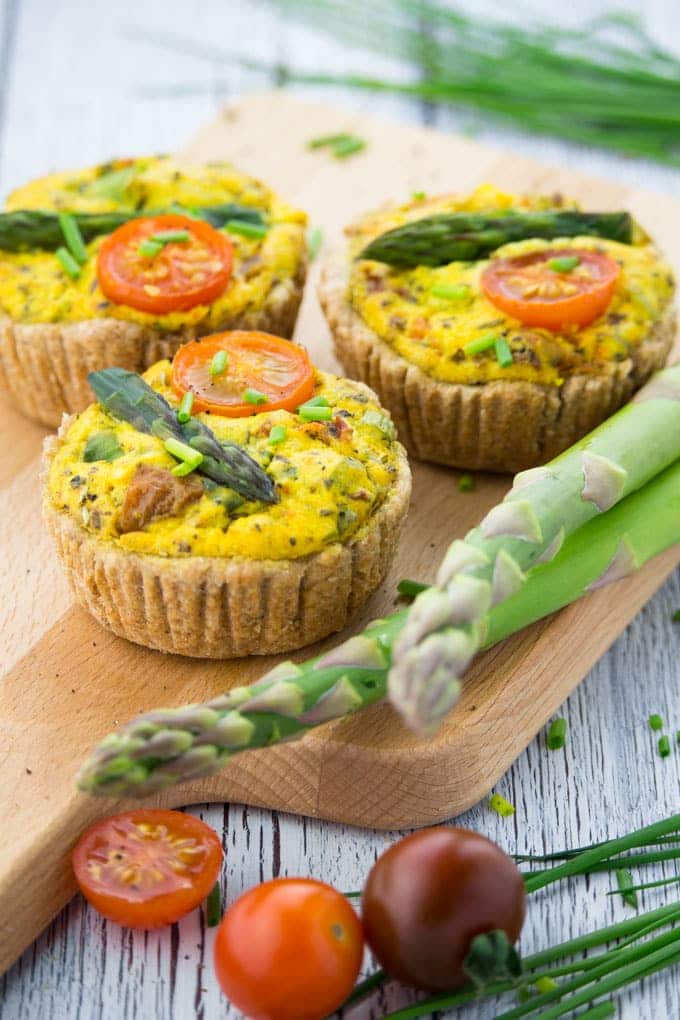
x=168, y=746
x=465, y=237
x=27, y=229
x=445, y=627
x=126, y=396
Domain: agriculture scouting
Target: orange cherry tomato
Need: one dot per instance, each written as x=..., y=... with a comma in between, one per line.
x=528, y=288
x=178, y=276
x=147, y=868
x=274, y=373
x=289, y=949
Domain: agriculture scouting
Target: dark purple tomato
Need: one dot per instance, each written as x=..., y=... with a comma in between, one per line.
x=430, y=895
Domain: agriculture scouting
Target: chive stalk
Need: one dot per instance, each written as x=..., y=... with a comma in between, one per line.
x=73, y=237
x=184, y=412
x=624, y=881
x=218, y=364
x=557, y=734
x=450, y=291
x=188, y=457
x=314, y=412
x=501, y=806
x=564, y=263
x=252, y=396
x=503, y=353
x=149, y=248
x=484, y=343
x=170, y=236
x=68, y=263
x=246, y=229
x=213, y=907
x=277, y=435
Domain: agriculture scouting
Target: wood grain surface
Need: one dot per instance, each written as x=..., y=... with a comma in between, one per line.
x=83, y=967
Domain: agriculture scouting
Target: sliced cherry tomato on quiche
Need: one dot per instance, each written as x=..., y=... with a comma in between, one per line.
x=241, y=373
x=289, y=949
x=162, y=264
x=554, y=288
x=147, y=868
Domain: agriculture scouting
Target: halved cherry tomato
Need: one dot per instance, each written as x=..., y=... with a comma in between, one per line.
x=430, y=895
x=527, y=288
x=289, y=949
x=147, y=868
x=177, y=277
x=276, y=374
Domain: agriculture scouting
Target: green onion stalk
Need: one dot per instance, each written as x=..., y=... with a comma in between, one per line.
x=168, y=746
x=447, y=624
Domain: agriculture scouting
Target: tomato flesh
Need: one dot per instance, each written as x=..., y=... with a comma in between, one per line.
x=279, y=370
x=430, y=895
x=289, y=949
x=179, y=276
x=147, y=868
x=527, y=288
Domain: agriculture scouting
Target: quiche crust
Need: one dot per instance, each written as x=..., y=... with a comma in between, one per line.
x=503, y=426
x=223, y=608
x=44, y=366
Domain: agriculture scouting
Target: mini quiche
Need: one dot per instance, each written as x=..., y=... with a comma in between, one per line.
x=122, y=263
x=234, y=501
x=498, y=329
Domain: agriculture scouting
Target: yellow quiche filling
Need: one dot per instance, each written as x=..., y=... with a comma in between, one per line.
x=404, y=307
x=330, y=478
x=35, y=287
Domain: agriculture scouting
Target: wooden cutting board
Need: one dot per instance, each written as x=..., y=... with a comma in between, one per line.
x=66, y=682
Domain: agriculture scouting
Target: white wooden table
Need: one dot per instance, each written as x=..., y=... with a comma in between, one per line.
x=74, y=89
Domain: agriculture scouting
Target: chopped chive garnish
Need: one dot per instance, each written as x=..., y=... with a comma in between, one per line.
x=466, y=483
x=545, y=984
x=450, y=291
x=316, y=402
x=503, y=353
x=213, y=907
x=564, y=264
x=314, y=242
x=314, y=412
x=218, y=365
x=149, y=249
x=624, y=881
x=409, y=589
x=677, y=736
x=68, y=263
x=655, y=722
x=170, y=236
x=277, y=435
x=483, y=344
x=190, y=458
x=557, y=734
x=501, y=806
x=73, y=237
x=325, y=140
x=664, y=746
x=418, y=196
x=252, y=396
x=245, y=228
x=676, y=616
x=348, y=147
x=184, y=413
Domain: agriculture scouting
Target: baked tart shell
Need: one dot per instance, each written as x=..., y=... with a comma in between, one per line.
x=223, y=608
x=503, y=426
